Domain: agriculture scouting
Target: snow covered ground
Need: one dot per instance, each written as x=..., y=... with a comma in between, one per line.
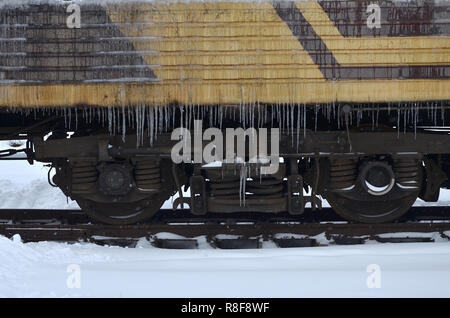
x=399, y=270
x=48, y=269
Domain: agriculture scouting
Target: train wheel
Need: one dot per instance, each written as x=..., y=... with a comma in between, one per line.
x=381, y=192
x=121, y=193
x=374, y=211
x=121, y=213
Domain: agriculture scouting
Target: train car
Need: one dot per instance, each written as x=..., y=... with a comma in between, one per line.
x=353, y=94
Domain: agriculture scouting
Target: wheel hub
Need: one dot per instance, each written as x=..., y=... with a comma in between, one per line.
x=115, y=179
x=377, y=177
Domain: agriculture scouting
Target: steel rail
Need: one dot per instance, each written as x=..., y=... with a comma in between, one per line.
x=36, y=225
x=76, y=216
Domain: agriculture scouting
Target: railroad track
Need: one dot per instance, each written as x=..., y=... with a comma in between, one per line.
x=238, y=230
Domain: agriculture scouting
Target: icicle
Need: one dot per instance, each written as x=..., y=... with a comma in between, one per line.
x=434, y=107
x=404, y=121
x=279, y=116
x=181, y=116
x=378, y=114
x=65, y=118
x=286, y=117
x=216, y=110
x=415, y=120
x=242, y=183
x=138, y=124
x=244, y=113
x=70, y=117
x=151, y=126
x=240, y=112
x=169, y=115
x=191, y=116
x=265, y=114
x=104, y=110
x=259, y=116
x=76, y=118
x=292, y=125
x=155, y=123
x=373, y=119
x=128, y=116
x=298, y=126
x=211, y=116
x=110, y=121
x=338, y=115
x=315, y=117
x=160, y=118
x=252, y=115
x=304, y=120
x=271, y=116
x=138, y=131
x=124, y=126
x=114, y=120
x=144, y=110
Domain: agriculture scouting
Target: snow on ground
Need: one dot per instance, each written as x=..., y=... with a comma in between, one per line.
x=399, y=270
x=41, y=269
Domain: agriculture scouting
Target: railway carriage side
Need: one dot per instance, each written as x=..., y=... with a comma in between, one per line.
x=352, y=96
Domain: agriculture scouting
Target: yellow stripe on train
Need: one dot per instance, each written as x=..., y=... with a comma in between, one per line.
x=224, y=93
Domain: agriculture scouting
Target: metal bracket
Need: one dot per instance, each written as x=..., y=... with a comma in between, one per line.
x=198, y=195
x=434, y=178
x=180, y=201
x=314, y=200
x=9, y=154
x=103, y=147
x=296, y=202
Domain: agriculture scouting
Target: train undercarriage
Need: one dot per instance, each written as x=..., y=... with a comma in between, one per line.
x=370, y=163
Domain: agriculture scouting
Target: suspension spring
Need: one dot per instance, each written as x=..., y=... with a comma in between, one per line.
x=407, y=172
x=84, y=177
x=343, y=173
x=147, y=175
x=229, y=187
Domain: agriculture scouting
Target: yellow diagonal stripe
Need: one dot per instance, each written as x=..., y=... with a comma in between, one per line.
x=210, y=53
x=372, y=51
x=250, y=38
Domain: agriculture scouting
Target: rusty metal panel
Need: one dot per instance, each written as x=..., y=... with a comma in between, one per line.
x=219, y=52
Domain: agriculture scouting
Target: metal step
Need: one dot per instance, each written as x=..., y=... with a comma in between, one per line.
x=404, y=239
x=343, y=240
x=236, y=243
x=178, y=244
x=295, y=242
x=131, y=243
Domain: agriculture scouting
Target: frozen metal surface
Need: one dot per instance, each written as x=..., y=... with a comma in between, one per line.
x=219, y=52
